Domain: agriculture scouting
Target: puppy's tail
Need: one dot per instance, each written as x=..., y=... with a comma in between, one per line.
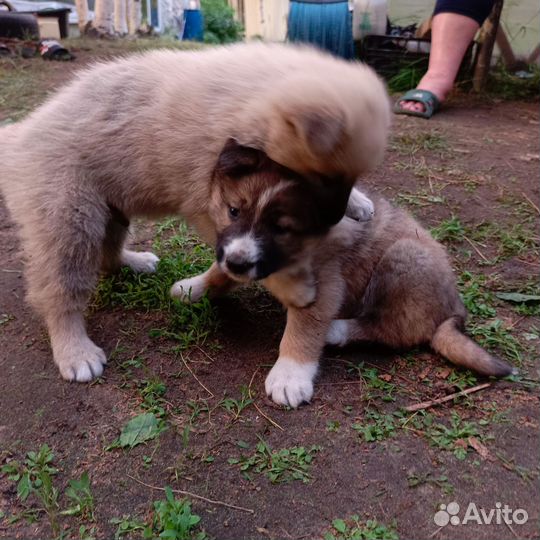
x=451, y=343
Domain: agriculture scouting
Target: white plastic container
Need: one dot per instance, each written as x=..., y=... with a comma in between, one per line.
x=369, y=17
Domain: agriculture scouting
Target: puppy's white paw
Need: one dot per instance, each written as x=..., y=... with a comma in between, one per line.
x=338, y=333
x=80, y=361
x=291, y=382
x=360, y=206
x=139, y=261
x=189, y=290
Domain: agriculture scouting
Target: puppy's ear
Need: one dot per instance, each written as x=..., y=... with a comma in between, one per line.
x=236, y=160
x=322, y=131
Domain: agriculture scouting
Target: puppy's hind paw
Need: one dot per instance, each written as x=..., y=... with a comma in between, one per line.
x=291, y=382
x=80, y=362
x=360, y=207
x=139, y=261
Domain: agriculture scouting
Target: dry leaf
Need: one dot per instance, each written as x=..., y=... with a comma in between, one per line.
x=443, y=373
x=482, y=451
x=386, y=377
x=424, y=373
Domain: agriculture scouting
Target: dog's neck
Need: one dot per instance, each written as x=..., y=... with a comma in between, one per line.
x=294, y=286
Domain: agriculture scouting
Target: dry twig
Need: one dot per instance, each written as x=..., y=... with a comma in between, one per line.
x=430, y=403
x=194, y=496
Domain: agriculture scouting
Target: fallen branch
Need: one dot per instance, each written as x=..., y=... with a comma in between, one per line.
x=475, y=248
x=194, y=496
x=431, y=403
x=274, y=423
x=531, y=203
x=195, y=376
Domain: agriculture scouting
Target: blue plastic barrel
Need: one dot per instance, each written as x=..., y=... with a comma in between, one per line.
x=193, y=25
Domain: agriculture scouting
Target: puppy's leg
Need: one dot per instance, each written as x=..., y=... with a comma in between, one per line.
x=64, y=247
x=114, y=252
x=290, y=381
x=360, y=207
x=213, y=281
x=344, y=331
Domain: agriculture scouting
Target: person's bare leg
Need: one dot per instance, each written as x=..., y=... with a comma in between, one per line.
x=451, y=35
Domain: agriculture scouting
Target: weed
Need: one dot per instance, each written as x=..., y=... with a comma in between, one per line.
x=374, y=385
x=415, y=480
x=376, y=426
x=449, y=230
x=279, y=466
x=333, y=425
x=236, y=406
x=354, y=529
x=152, y=392
x=126, y=525
x=34, y=477
x=454, y=437
x=82, y=501
x=171, y=519
x=462, y=379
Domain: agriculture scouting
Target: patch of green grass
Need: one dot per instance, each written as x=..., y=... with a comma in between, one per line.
x=376, y=426
x=171, y=519
x=462, y=379
x=421, y=199
x=353, y=528
x=477, y=299
x=510, y=241
x=494, y=335
x=284, y=465
x=407, y=77
x=505, y=85
x=449, y=230
x=455, y=436
x=375, y=385
x=152, y=392
x=182, y=255
x=411, y=143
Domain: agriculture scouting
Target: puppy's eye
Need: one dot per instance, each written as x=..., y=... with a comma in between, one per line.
x=234, y=212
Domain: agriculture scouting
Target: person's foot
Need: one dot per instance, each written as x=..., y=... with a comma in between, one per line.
x=439, y=86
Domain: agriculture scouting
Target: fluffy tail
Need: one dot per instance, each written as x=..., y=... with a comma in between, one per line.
x=463, y=351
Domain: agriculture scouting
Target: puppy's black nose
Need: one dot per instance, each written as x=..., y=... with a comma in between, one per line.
x=239, y=266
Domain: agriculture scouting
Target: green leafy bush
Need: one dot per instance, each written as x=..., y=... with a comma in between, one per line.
x=219, y=23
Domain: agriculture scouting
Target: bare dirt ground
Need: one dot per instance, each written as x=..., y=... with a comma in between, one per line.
x=471, y=173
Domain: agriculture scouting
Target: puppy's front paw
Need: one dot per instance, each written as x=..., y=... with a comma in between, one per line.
x=189, y=290
x=79, y=361
x=360, y=207
x=139, y=261
x=291, y=382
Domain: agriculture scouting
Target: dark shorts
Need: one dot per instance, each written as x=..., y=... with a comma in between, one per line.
x=474, y=9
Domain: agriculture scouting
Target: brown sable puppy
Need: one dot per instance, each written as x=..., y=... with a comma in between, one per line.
x=140, y=136
x=384, y=280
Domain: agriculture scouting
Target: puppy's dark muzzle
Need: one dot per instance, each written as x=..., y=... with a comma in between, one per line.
x=238, y=266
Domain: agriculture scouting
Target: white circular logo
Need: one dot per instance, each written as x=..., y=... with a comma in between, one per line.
x=447, y=514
